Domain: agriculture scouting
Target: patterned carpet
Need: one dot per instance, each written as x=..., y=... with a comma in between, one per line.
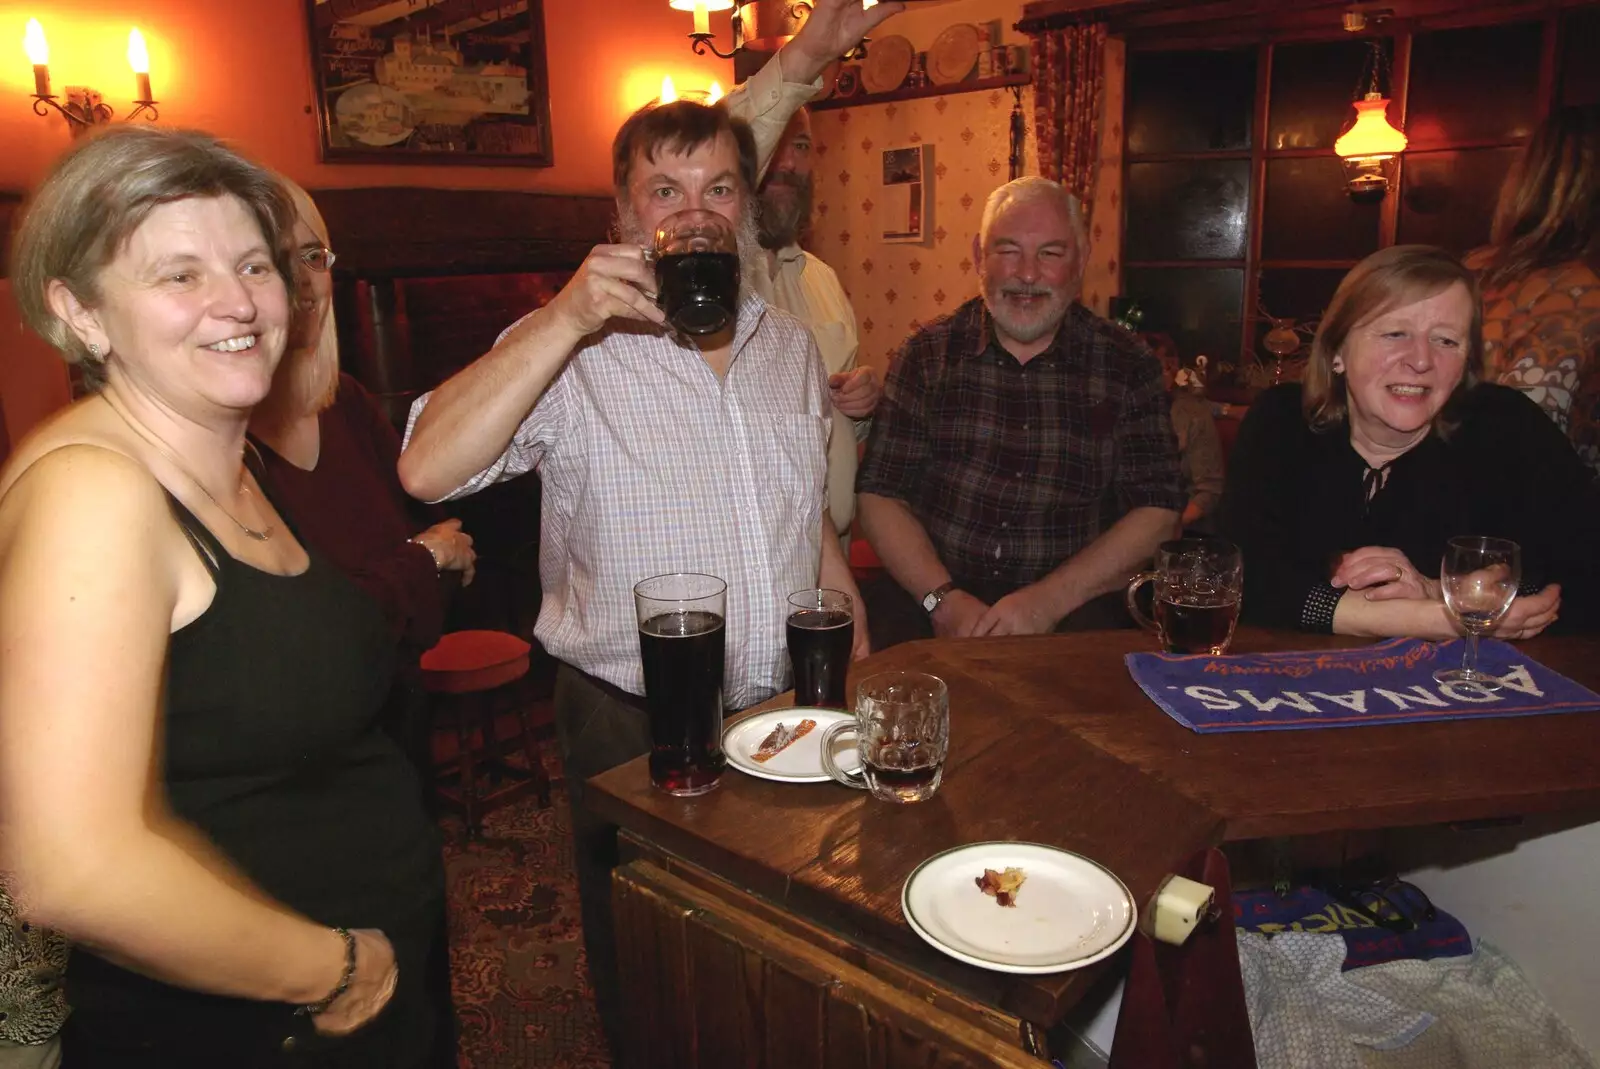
x=516, y=945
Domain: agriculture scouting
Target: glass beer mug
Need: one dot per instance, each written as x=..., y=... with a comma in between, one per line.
x=696, y=257
x=1199, y=583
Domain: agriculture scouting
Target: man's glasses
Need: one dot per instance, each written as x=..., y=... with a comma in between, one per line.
x=318, y=257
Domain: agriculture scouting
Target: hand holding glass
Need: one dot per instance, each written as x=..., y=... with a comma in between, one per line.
x=1479, y=578
x=902, y=730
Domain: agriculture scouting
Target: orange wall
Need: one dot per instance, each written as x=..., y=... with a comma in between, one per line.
x=243, y=70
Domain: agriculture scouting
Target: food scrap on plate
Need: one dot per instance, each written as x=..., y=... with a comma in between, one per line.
x=1001, y=886
x=781, y=738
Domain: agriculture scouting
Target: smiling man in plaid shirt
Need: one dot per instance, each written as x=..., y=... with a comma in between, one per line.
x=1022, y=464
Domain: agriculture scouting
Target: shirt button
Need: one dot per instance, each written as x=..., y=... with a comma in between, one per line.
x=1005, y=523
x=289, y=1044
x=1024, y=426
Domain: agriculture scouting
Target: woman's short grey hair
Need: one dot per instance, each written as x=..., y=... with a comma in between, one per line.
x=101, y=191
x=1027, y=191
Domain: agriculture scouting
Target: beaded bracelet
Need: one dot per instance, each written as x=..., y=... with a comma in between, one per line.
x=438, y=565
x=314, y=1008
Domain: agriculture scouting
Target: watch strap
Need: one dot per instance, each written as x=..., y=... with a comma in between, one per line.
x=936, y=595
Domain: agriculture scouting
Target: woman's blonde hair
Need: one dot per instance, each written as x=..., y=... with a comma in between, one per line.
x=95, y=197
x=307, y=379
x=1388, y=279
x=1549, y=208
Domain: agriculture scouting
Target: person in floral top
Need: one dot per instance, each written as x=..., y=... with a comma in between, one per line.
x=1541, y=277
x=33, y=1003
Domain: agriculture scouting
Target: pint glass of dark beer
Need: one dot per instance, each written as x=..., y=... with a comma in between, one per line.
x=682, y=644
x=1198, y=586
x=821, y=631
x=696, y=255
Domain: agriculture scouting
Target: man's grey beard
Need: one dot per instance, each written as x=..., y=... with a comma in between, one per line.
x=780, y=219
x=1041, y=324
x=752, y=257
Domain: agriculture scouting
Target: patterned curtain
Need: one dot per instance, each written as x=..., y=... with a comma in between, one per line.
x=1068, y=80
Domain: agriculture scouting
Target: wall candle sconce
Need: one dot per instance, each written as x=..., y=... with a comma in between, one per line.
x=765, y=25
x=84, y=107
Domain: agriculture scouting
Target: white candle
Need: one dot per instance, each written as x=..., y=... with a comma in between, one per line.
x=38, y=50
x=702, y=17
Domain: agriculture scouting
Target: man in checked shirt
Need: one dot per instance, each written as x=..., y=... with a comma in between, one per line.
x=1021, y=464
x=656, y=454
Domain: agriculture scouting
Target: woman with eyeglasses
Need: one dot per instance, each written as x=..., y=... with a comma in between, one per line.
x=328, y=458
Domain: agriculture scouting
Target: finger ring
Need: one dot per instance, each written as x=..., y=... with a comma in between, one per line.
x=1399, y=573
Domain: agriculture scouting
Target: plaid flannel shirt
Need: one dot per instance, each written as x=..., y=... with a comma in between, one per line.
x=1012, y=468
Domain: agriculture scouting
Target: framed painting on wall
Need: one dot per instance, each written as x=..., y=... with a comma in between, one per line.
x=431, y=81
x=907, y=199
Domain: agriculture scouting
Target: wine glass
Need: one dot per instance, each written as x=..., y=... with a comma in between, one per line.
x=1479, y=577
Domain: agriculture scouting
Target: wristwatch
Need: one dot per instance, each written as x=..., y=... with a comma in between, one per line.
x=932, y=598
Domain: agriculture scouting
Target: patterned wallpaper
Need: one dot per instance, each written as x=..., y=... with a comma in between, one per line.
x=897, y=288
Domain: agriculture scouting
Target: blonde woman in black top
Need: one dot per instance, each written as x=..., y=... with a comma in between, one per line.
x=1343, y=492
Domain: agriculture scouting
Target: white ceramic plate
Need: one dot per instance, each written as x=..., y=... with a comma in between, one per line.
x=1070, y=911
x=801, y=760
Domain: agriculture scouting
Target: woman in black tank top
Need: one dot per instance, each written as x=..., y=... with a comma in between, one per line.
x=194, y=784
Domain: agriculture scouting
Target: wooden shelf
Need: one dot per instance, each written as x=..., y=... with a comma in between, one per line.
x=1007, y=81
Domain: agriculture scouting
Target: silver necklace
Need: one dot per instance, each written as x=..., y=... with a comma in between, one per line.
x=259, y=535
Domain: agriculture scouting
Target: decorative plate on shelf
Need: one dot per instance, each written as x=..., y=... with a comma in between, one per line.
x=848, y=84
x=954, y=54
x=888, y=62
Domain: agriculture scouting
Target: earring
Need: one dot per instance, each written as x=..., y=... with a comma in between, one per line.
x=94, y=352
x=1338, y=365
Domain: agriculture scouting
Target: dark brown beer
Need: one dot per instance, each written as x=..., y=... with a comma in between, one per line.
x=699, y=291
x=819, y=648
x=1196, y=625
x=900, y=771
x=683, y=654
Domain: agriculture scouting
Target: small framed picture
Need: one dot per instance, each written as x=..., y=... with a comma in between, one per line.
x=907, y=201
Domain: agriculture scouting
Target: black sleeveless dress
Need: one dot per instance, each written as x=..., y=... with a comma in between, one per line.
x=273, y=749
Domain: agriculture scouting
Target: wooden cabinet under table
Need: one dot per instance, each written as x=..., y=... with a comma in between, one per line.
x=710, y=981
x=761, y=900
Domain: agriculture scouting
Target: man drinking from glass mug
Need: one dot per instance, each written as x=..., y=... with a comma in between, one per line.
x=658, y=453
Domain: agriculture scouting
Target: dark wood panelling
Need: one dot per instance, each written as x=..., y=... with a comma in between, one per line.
x=390, y=232
x=708, y=985
x=9, y=203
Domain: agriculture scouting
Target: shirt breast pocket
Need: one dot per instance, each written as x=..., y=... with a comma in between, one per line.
x=801, y=459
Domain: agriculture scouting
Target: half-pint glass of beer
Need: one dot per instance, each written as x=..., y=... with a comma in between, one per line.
x=682, y=642
x=1199, y=583
x=821, y=631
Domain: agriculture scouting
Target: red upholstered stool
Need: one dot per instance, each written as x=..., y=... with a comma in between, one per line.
x=470, y=673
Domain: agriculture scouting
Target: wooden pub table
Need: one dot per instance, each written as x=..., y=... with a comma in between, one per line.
x=760, y=924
